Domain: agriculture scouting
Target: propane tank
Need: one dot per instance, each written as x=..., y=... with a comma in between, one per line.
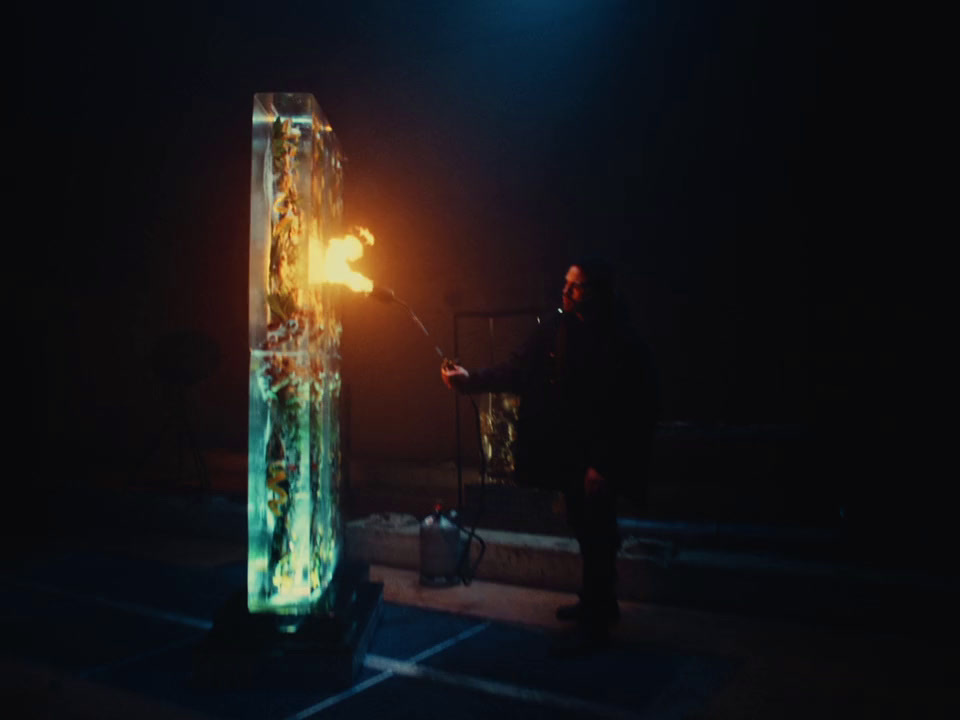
x=440, y=548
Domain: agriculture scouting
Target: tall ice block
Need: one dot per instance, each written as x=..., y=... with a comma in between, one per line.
x=293, y=509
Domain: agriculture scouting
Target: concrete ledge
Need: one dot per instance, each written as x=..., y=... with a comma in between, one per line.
x=654, y=571
x=540, y=561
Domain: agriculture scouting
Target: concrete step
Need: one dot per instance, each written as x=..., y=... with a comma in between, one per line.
x=656, y=570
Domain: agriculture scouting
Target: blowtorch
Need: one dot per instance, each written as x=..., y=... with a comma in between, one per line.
x=387, y=295
x=431, y=530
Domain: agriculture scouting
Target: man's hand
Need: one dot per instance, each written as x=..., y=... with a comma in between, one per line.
x=593, y=482
x=453, y=375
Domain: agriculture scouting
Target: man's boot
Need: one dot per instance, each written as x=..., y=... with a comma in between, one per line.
x=607, y=612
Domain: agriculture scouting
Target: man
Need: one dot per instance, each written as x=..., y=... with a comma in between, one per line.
x=587, y=416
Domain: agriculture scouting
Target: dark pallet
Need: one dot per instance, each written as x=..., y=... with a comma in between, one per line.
x=323, y=650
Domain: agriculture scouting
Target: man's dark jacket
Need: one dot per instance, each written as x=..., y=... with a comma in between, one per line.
x=589, y=398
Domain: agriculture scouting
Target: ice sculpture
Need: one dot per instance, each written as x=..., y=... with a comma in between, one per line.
x=294, y=450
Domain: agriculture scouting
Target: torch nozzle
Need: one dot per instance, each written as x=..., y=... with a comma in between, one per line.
x=383, y=294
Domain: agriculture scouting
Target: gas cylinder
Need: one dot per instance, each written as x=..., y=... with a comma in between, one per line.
x=440, y=548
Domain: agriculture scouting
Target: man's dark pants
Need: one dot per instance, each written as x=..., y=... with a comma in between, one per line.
x=593, y=519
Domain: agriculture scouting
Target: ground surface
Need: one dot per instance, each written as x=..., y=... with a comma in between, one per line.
x=104, y=626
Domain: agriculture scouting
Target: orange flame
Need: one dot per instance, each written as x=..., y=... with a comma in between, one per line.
x=333, y=266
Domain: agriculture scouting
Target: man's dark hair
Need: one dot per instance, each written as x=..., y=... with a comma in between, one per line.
x=599, y=272
x=600, y=284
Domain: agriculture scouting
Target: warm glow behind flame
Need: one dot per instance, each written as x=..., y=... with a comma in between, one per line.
x=334, y=266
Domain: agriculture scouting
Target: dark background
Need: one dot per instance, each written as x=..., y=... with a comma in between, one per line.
x=719, y=153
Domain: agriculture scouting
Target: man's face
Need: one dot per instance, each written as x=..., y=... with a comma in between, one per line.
x=574, y=290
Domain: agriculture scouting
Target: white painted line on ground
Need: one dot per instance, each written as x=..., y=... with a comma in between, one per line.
x=340, y=697
x=144, y=610
x=492, y=687
x=468, y=633
x=386, y=674
x=388, y=667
